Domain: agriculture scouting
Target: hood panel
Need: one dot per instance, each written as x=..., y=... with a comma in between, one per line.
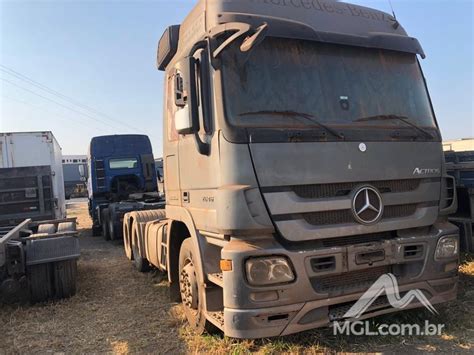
x=279, y=164
x=309, y=187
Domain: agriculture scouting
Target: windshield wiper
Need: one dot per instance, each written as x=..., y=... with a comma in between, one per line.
x=294, y=114
x=403, y=119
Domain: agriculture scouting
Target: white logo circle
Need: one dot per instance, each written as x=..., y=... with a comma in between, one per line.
x=362, y=147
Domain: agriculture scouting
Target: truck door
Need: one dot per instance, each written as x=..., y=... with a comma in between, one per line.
x=190, y=177
x=171, y=139
x=198, y=178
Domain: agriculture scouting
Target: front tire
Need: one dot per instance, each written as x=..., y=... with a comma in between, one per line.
x=192, y=292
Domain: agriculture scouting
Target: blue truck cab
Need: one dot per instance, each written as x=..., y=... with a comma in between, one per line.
x=122, y=175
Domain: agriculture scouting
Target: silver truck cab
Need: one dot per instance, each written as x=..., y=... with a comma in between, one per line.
x=302, y=161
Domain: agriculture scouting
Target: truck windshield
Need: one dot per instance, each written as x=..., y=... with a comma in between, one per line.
x=340, y=86
x=127, y=163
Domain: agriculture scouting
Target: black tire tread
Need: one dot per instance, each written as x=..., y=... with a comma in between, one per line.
x=40, y=279
x=141, y=264
x=65, y=276
x=105, y=224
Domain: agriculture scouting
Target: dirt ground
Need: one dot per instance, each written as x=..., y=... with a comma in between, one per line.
x=118, y=310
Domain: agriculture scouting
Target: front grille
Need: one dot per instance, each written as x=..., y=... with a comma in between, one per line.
x=328, y=217
x=399, y=211
x=346, y=216
x=358, y=239
x=344, y=189
x=349, y=281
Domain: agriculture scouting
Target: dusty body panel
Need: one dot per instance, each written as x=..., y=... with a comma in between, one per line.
x=252, y=180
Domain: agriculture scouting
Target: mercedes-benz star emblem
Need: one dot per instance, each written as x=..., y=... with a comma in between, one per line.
x=367, y=205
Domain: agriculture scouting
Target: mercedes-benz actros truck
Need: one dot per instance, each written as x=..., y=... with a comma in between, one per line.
x=302, y=161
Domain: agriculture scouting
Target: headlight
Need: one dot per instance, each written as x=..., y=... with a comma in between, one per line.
x=268, y=271
x=447, y=248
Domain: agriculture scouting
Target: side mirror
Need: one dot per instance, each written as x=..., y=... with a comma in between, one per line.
x=186, y=117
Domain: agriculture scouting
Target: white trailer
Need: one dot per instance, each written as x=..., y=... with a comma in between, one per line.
x=22, y=156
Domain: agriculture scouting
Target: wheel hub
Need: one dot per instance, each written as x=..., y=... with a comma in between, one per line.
x=188, y=286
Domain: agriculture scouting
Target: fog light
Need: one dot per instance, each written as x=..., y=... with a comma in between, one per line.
x=268, y=271
x=447, y=248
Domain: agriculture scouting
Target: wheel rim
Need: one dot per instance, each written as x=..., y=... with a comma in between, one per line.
x=189, y=287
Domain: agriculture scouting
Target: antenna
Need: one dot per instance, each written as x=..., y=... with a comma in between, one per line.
x=396, y=24
x=393, y=11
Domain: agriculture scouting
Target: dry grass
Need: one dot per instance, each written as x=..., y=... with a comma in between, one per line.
x=118, y=310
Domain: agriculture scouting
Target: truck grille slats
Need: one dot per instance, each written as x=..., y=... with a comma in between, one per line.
x=323, y=211
x=346, y=216
x=343, y=189
x=358, y=239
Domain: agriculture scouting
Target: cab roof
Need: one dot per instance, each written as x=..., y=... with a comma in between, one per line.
x=320, y=20
x=120, y=145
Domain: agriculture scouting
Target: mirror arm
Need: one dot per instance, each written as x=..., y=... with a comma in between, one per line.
x=239, y=28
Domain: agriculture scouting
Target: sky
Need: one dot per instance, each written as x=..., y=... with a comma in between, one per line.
x=87, y=68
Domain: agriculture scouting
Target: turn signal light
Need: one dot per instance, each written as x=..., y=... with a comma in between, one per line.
x=226, y=265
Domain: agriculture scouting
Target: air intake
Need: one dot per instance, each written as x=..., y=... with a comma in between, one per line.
x=413, y=251
x=323, y=264
x=448, y=203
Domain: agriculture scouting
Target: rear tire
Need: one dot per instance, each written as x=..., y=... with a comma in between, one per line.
x=105, y=223
x=127, y=238
x=65, y=276
x=192, y=292
x=140, y=262
x=114, y=231
x=40, y=280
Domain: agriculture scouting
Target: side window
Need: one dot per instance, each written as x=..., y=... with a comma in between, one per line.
x=171, y=108
x=203, y=91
